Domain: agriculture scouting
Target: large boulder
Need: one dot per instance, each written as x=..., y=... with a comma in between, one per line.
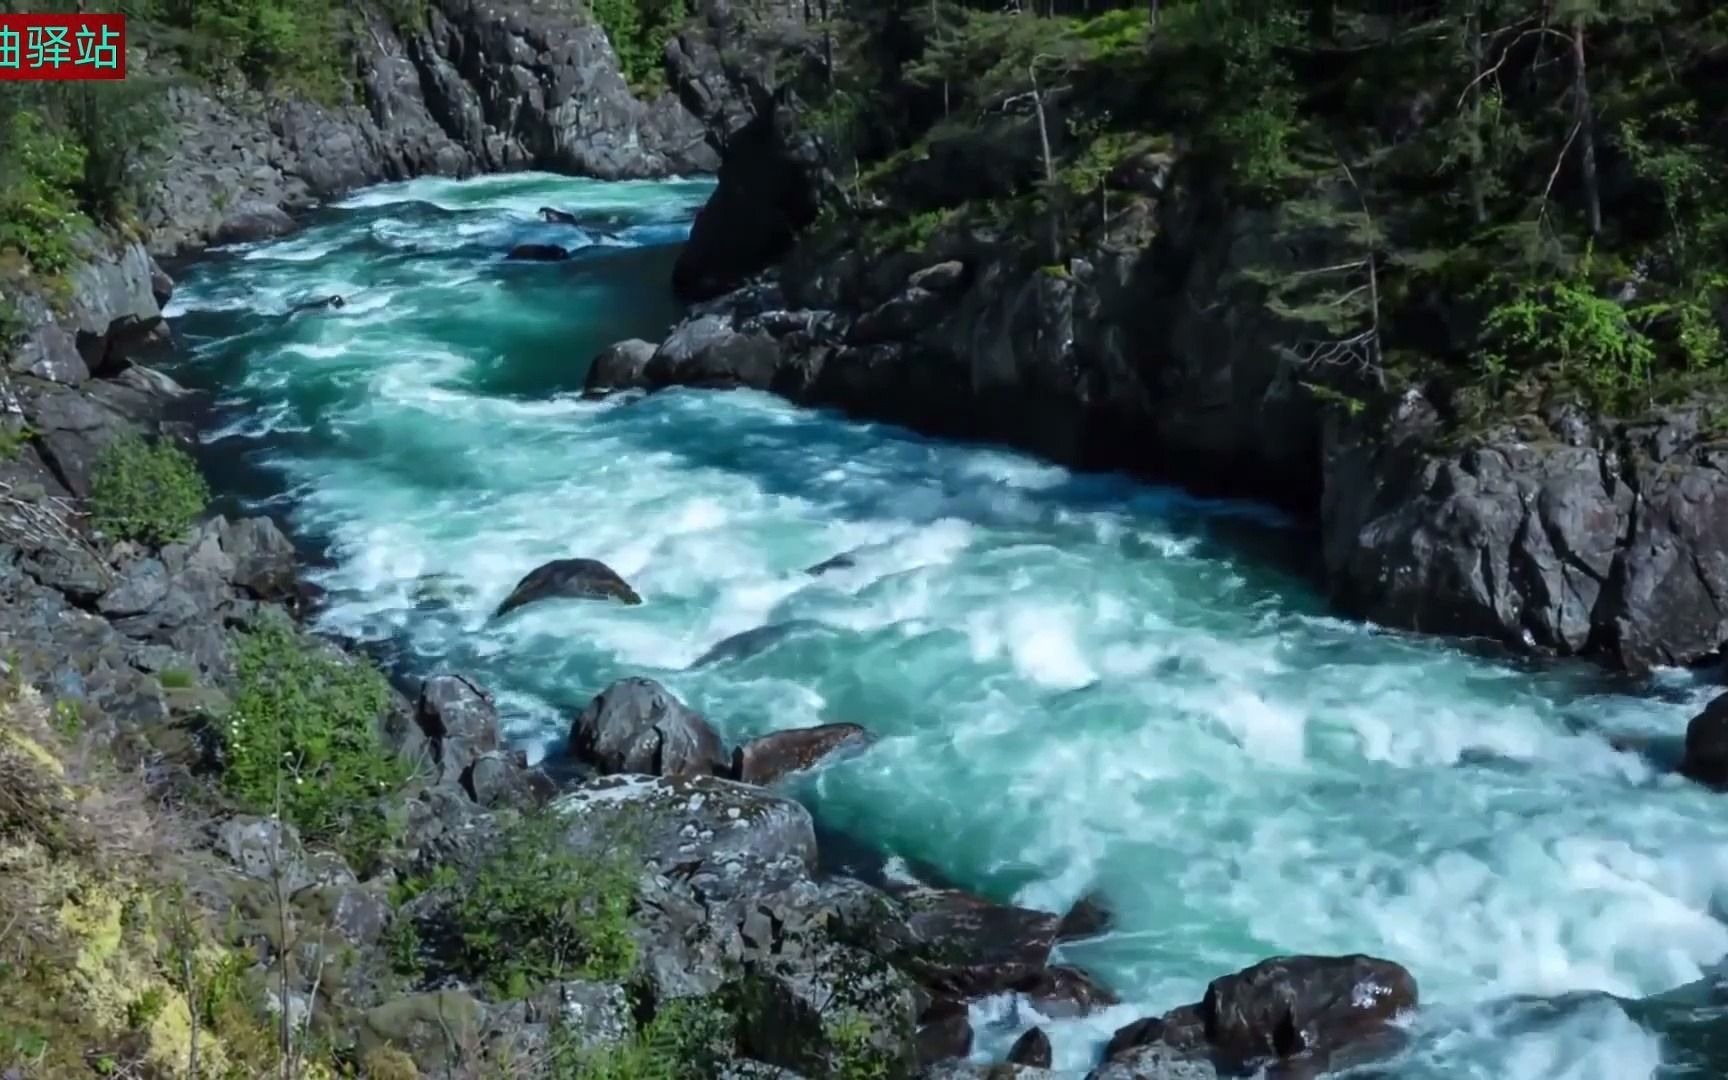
x=771, y=757
x=620, y=366
x=726, y=838
x=1706, y=759
x=638, y=726
x=459, y=722
x=265, y=563
x=1315, y=1012
x=969, y=947
x=577, y=579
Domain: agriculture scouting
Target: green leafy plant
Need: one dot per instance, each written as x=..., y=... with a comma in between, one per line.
x=302, y=739
x=41, y=169
x=639, y=31
x=685, y=1039
x=1591, y=339
x=177, y=679
x=855, y=1056
x=534, y=911
x=146, y=491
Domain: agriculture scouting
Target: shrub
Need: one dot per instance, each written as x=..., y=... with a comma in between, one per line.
x=177, y=679
x=639, y=30
x=685, y=1039
x=41, y=169
x=535, y=912
x=1591, y=338
x=146, y=491
x=265, y=42
x=302, y=739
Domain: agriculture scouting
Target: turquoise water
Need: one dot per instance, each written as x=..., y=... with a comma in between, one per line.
x=1080, y=682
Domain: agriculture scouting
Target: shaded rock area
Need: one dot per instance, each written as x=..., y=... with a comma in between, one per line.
x=767, y=759
x=537, y=253
x=1706, y=755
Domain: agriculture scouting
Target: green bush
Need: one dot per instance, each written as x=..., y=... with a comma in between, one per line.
x=41, y=169
x=302, y=740
x=684, y=1040
x=639, y=31
x=1590, y=339
x=535, y=912
x=295, y=43
x=146, y=491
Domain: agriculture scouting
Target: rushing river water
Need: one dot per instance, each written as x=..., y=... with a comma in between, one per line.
x=1080, y=682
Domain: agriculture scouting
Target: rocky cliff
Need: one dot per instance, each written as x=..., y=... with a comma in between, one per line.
x=1150, y=343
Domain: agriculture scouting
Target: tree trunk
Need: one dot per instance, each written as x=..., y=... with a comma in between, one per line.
x=1586, y=131
x=828, y=45
x=1049, y=159
x=1152, y=16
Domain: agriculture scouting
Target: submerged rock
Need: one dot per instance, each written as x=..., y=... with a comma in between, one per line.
x=638, y=726
x=574, y=579
x=538, y=253
x=1089, y=917
x=944, y=1032
x=771, y=757
x=1032, y=1048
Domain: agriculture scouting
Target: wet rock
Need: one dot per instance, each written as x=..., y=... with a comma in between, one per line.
x=620, y=366
x=843, y=561
x=263, y=558
x=771, y=757
x=1089, y=917
x=538, y=253
x=1706, y=756
x=944, y=1032
x=711, y=352
x=459, y=721
x=754, y=641
x=1061, y=991
x=1032, y=1048
x=970, y=947
x=1154, y=1063
x=575, y=579
x=554, y=216
x=1293, y=1005
x=638, y=726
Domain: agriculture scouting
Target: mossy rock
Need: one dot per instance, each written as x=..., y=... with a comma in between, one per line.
x=436, y=1030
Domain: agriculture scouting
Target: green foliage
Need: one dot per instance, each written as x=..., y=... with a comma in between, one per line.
x=639, y=31
x=146, y=491
x=143, y=1010
x=302, y=740
x=685, y=1040
x=296, y=44
x=177, y=679
x=68, y=718
x=403, y=945
x=535, y=911
x=41, y=170
x=1592, y=340
x=855, y=1056
x=13, y=440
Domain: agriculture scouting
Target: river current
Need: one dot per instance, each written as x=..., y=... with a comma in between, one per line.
x=1080, y=683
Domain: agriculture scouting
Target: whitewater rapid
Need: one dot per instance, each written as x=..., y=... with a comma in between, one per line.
x=1080, y=683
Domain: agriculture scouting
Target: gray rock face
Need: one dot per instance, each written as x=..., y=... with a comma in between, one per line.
x=638, y=726
x=576, y=579
x=724, y=836
x=1154, y=1063
x=264, y=561
x=1609, y=544
x=483, y=87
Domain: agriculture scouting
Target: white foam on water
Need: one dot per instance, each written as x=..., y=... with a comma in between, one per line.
x=1078, y=683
